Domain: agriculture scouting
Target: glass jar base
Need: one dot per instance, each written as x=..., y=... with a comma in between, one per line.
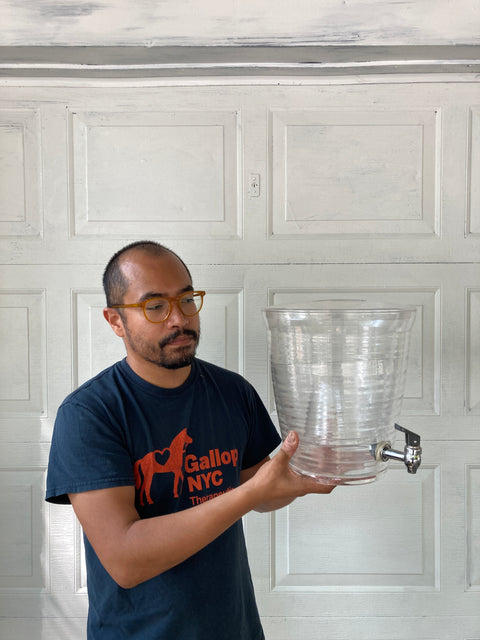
x=350, y=479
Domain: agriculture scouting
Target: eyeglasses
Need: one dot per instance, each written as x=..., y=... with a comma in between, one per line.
x=159, y=309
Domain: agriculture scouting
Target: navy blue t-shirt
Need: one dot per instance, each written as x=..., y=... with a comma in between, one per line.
x=179, y=447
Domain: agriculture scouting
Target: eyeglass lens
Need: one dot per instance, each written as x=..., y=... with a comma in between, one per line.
x=157, y=309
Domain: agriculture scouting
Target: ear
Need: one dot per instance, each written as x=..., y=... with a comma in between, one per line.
x=114, y=319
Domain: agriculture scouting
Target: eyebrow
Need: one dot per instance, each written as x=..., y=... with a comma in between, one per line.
x=153, y=294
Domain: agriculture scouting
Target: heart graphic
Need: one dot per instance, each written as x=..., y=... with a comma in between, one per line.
x=161, y=457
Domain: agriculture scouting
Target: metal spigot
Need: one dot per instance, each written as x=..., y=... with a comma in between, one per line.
x=411, y=455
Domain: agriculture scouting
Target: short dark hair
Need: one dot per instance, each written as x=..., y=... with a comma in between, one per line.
x=115, y=284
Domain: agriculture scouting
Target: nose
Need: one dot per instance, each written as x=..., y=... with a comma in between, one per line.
x=176, y=317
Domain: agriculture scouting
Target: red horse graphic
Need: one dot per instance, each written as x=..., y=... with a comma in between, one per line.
x=148, y=466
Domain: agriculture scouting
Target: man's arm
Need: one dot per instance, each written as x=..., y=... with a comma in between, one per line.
x=134, y=550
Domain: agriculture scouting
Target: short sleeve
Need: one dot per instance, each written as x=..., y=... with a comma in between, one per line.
x=87, y=452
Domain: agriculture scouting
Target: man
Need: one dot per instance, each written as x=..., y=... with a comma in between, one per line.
x=161, y=455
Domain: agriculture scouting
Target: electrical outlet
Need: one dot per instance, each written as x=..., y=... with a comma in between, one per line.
x=254, y=185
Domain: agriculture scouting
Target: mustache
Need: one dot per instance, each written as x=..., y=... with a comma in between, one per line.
x=175, y=334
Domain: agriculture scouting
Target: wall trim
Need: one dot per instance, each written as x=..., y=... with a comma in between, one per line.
x=316, y=61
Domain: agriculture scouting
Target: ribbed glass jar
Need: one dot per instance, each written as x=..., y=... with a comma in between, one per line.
x=338, y=372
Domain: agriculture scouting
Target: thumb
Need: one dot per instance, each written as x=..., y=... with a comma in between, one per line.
x=290, y=444
x=308, y=484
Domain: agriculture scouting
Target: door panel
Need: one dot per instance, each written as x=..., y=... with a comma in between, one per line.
x=364, y=190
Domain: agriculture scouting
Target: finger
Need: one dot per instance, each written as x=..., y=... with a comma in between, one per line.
x=290, y=444
x=323, y=488
x=315, y=485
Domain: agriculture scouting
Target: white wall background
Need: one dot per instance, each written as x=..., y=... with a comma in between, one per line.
x=120, y=121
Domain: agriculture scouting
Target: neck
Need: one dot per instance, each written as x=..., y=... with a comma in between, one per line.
x=159, y=376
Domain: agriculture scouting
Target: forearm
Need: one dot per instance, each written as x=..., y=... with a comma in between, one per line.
x=134, y=550
x=155, y=545
x=144, y=548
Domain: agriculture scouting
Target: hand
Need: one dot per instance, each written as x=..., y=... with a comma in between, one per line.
x=278, y=484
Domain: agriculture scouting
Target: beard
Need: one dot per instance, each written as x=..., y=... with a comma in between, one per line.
x=160, y=355
x=183, y=355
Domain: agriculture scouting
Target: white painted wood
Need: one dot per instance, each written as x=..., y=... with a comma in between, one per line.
x=334, y=172
x=393, y=560
x=388, y=628
x=21, y=178
x=472, y=476
x=117, y=22
x=472, y=348
x=22, y=530
x=22, y=340
x=160, y=153
x=222, y=328
x=473, y=219
x=452, y=100
x=94, y=347
x=394, y=548
x=436, y=584
x=263, y=62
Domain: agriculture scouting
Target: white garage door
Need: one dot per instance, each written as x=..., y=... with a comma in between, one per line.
x=268, y=191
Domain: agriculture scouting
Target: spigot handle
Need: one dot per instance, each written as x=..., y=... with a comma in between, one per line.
x=411, y=439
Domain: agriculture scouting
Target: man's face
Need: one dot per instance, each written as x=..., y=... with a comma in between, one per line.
x=170, y=344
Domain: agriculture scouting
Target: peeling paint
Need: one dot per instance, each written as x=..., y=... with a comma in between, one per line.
x=63, y=10
x=231, y=22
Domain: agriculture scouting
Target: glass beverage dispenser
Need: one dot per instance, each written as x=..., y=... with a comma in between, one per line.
x=338, y=370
